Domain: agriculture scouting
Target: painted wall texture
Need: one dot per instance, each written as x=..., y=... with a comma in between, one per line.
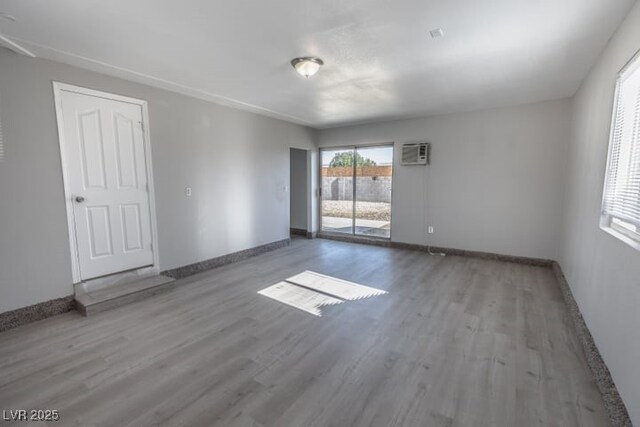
x=603, y=272
x=525, y=180
x=194, y=143
x=495, y=183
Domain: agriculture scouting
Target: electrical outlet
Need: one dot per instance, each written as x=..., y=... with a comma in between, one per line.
x=430, y=229
x=187, y=191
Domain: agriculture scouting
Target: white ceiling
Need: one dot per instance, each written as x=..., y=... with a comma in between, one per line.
x=380, y=62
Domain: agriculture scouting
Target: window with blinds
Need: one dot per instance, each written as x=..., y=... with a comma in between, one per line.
x=621, y=199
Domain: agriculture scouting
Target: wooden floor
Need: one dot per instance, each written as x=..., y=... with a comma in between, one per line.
x=455, y=342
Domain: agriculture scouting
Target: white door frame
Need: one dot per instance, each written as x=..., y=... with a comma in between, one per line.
x=58, y=88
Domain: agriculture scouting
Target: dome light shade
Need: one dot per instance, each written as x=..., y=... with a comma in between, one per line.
x=307, y=66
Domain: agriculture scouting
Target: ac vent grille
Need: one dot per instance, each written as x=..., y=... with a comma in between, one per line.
x=416, y=154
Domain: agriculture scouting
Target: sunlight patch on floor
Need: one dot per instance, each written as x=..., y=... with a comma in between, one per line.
x=337, y=287
x=310, y=292
x=300, y=298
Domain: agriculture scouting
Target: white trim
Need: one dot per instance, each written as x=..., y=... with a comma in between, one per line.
x=605, y=218
x=612, y=122
x=10, y=44
x=354, y=148
x=627, y=236
x=86, y=63
x=58, y=88
x=622, y=237
x=309, y=201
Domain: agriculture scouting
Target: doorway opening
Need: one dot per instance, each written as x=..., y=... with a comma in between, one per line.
x=299, y=188
x=356, y=190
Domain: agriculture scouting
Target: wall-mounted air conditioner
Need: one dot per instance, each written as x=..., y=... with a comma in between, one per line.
x=415, y=153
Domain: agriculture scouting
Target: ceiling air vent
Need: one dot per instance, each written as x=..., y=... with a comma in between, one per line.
x=415, y=153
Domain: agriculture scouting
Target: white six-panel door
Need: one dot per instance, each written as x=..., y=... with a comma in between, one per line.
x=105, y=168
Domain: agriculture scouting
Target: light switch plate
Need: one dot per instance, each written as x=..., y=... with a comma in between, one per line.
x=187, y=191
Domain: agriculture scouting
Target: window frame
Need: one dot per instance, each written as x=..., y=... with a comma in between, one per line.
x=620, y=232
x=610, y=223
x=354, y=147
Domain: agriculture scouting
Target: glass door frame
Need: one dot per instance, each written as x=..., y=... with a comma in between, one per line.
x=354, y=148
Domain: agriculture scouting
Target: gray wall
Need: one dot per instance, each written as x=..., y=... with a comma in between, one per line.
x=603, y=272
x=299, y=188
x=495, y=182
x=368, y=188
x=194, y=143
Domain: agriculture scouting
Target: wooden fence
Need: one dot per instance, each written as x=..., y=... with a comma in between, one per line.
x=360, y=171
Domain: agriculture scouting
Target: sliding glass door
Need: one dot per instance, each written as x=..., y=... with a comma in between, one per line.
x=337, y=191
x=373, y=175
x=356, y=190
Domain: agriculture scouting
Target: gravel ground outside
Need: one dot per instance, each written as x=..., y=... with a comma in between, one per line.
x=364, y=210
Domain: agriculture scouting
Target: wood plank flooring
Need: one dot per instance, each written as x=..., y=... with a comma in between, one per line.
x=455, y=342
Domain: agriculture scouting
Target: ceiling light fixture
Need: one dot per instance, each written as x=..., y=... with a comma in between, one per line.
x=307, y=66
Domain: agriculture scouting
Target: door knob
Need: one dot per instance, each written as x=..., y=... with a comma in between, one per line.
x=79, y=199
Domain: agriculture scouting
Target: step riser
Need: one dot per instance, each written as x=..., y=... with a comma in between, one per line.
x=119, y=301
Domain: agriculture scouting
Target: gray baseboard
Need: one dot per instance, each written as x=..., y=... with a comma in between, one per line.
x=615, y=407
x=22, y=316
x=538, y=262
x=298, y=232
x=301, y=232
x=435, y=249
x=355, y=239
x=613, y=403
x=198, y=267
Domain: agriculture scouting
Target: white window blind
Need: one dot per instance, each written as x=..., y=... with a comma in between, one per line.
x=621, y=200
